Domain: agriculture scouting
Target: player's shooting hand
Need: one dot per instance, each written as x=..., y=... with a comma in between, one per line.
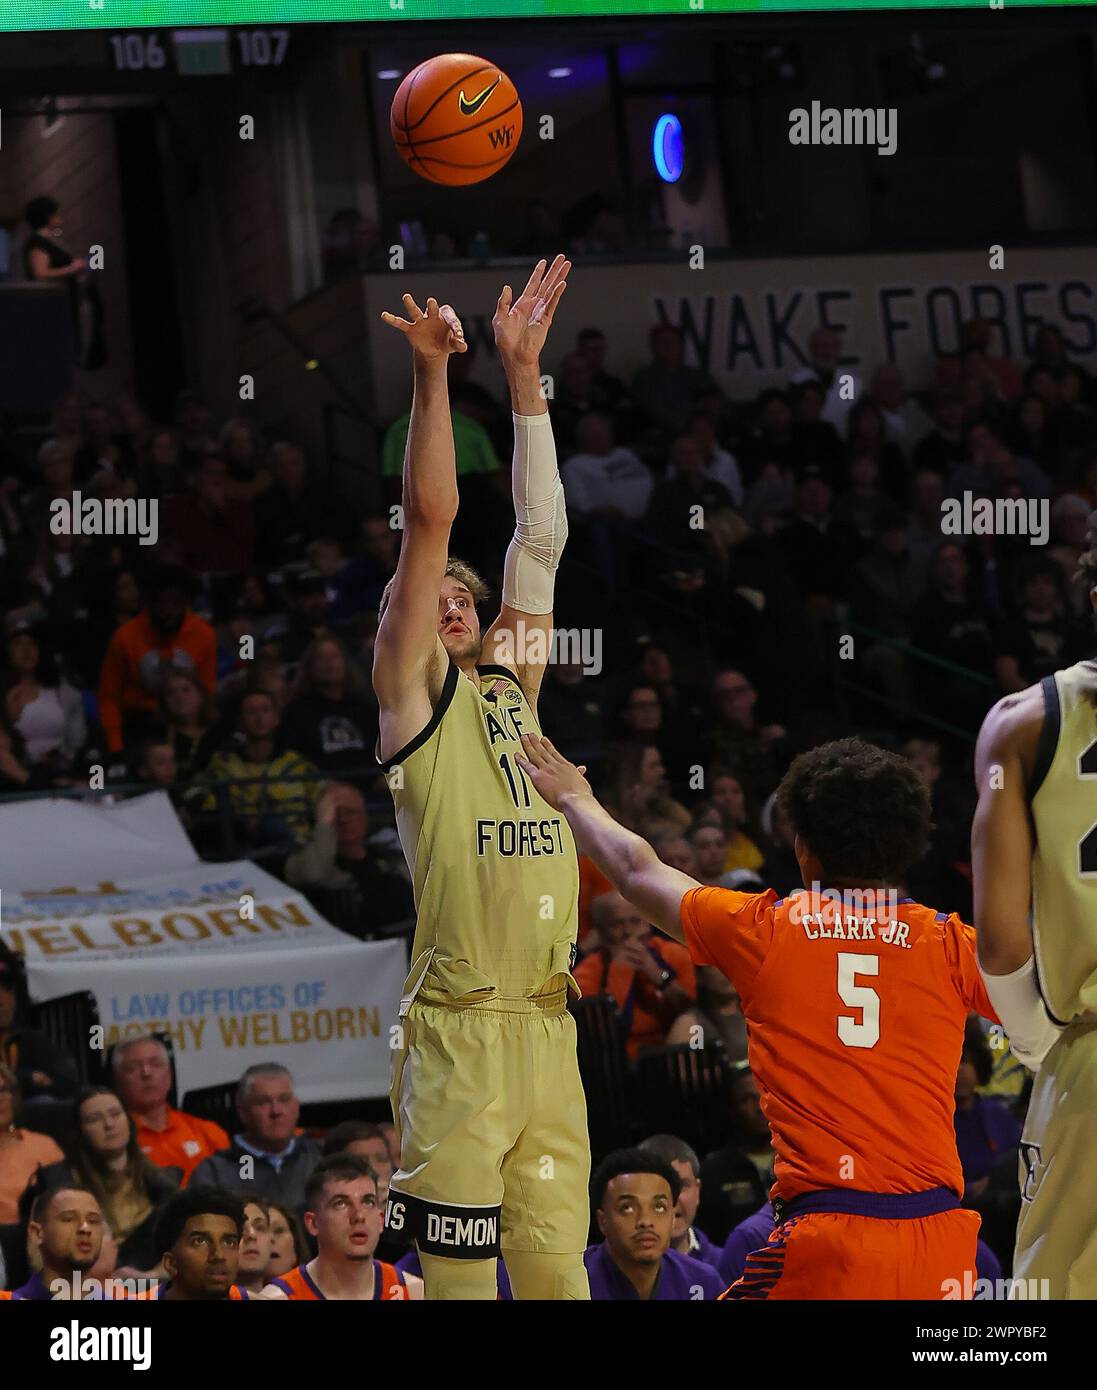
x=521, y=325
x=433, y=334
x=550, y=772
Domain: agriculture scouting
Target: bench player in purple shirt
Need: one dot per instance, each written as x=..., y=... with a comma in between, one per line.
x=633, y=1195
x=686, y=1238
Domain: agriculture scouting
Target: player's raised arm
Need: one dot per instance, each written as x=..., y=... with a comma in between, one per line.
x=627, y=860
x=407, y=639
x=521, y=636
x=1002, y=843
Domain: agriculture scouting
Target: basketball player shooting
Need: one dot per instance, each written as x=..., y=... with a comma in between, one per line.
x=486, y=1095
x=1034, y=856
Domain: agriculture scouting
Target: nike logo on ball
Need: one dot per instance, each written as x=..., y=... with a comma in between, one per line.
x=470, y=108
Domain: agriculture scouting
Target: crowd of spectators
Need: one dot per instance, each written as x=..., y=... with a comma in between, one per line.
x=727, y=553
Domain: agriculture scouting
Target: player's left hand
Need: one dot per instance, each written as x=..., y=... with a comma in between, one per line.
x=521, y=325
x=550, y=772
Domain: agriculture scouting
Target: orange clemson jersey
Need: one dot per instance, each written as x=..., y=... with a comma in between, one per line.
x=856, y=1029
x=388, y=1283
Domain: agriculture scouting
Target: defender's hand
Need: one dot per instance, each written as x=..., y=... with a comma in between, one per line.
x=433, y=334
x=550, y=772
x=521, y=325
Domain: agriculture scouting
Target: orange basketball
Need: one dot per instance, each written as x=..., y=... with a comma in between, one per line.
x=456, y=119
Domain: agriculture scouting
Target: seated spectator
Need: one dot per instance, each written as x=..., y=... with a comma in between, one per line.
x=781, y=869
x=728, y=796
x=308, y=615
x=22, y=1151
x=198, y=1236
x=650, y=978
x=753, y=752
x=867, y=436
x=104, y=446
x=591, y=342
x=992, y=466
x=736, y=1178
x=376, y=561
x=816, y=546
x=103, y=1156
x=344, y=1214
x=602, y=479
x=716, y=1020
x=290, y=512
x=288, y=1243
x=685, y=1237
x=665, y=389
x=16, y=773
x=573, y=706
x=987, y=1131
x=160, y=472
x=1034, y=434
x=65, y=1236
x=771, y=444
x=945, y=446
x=255, y=1247
x=329, y=718
x=576, y=395
x=43, y=1072
x=634, y=1196
x=325, y=555
x=975, y=340
x=639, y=790
x=169, y=1138
x=164, y=635
x=641, y=720
x=905, y=422
x=1040, y=634
x=925, y=501
x=365, y=1141
x=272, y=794
x=824, y=366
x=193, y=426
x=337, y=856
x=717, y=462
x=813, y=441
x=241, y=446
x=752, y=1233
x=705, y=535
x=710, y=849
x=676, y=850
x=282, y=1160
x=857, y=509
x=214, y=530
x=952, y=622
x=189, y=713
x=152, y=761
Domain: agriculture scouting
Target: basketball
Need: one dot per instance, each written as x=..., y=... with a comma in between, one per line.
x=456, y=119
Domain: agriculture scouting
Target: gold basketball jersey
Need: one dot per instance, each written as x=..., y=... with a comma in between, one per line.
x=493, y=866
x=1064, y=866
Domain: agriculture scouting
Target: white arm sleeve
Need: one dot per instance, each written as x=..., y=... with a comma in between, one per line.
x=1017, y=1002
x=541, y=516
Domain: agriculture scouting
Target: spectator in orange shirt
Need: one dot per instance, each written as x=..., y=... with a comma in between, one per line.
x=163, y=636
x=651, y=979
x=169, y=1138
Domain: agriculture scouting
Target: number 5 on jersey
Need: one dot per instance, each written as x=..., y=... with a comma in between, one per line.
x=867, y=1032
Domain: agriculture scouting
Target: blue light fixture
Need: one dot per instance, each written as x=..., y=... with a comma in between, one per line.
x=666, y=148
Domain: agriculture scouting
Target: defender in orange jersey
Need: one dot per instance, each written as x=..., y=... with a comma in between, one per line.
x=343, y=1212
x=856, y=999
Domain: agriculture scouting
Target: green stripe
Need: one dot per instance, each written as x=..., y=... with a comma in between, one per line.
x=134, y=14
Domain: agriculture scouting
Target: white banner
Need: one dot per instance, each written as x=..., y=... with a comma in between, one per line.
x=748, y=321
x=235, y=965
x=326, y=1013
